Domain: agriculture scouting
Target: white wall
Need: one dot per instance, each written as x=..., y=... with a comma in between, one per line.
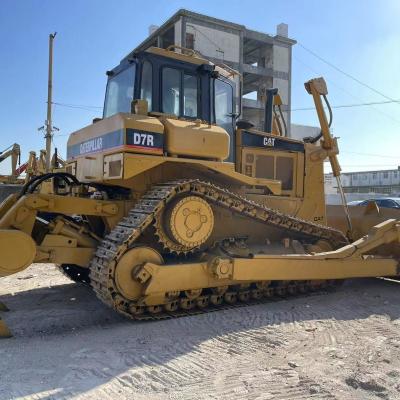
x=215, y=43
x=330, y=184
x=281, y=58
x=178, y=32
x=377, y=178
x=301, y=131
x=283, y=89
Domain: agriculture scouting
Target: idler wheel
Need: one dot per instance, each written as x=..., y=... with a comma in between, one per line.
x=130, y=288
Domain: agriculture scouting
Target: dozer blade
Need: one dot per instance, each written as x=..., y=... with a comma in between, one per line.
x=4, y=331
x=363, y=218
x=17, y=251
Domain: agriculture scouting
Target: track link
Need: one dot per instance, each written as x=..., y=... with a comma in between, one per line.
x=128, y=231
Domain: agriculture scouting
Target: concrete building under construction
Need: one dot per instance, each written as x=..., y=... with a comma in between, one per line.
x=263, y=60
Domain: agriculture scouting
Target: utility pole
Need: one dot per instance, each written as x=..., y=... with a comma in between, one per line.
x=49, y=122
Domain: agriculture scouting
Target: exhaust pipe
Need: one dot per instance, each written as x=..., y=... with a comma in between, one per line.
x=269, y=105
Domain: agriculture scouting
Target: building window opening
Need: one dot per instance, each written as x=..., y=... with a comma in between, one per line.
x=189, y=40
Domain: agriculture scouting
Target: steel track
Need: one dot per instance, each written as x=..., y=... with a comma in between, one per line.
x=126, y=234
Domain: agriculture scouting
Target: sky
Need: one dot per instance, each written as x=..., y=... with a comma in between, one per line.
x=359, y=37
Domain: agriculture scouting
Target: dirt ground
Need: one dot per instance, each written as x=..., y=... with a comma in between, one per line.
x=67, y=345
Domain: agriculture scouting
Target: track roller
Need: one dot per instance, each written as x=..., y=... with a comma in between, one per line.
x=202, y=301
x=216, y=299
x=187, y=304
x=230, y=297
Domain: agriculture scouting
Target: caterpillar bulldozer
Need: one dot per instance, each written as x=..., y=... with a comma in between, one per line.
x=170, y=205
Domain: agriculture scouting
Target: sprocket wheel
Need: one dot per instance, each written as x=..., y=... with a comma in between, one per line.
x=185, y=225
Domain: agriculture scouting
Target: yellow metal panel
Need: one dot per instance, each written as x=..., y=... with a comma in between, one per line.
x=63, y=255
x=294, y=268
x=192, y=139
x=201, y=275
x=59, y=241
x=142, y=122
x=181, y=277
x=178, y=56
x=134, y=165
x=111, y=124
x=17, y=251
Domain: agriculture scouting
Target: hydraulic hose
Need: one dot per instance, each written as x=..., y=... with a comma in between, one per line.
x=311, y=139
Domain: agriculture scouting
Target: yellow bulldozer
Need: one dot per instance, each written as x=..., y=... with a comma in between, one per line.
x=170, y=205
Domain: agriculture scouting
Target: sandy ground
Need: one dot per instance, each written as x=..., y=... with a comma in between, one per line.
x=67, y=345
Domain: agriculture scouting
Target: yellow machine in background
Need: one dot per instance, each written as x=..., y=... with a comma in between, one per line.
x=170, y=203
x=13, y=152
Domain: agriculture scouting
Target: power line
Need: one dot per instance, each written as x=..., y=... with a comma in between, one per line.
x=347, y=92
x=369, y=165
x=372, y=103
x=370, y=155
x=78, y=106
x=89, y=108
x=347, y=74
x=62, y=134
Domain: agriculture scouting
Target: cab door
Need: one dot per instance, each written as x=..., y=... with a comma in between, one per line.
x=223, y=111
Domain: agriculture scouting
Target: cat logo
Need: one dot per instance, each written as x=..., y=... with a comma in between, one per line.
x=269, y=142
x=91, y=146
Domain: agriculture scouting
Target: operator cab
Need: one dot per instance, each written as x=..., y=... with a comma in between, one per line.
x=188, y=87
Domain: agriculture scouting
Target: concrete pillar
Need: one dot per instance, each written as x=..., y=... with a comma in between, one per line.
x=152, y=29
x=282, y=30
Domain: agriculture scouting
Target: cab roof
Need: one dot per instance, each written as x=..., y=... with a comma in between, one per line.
x=183, y=55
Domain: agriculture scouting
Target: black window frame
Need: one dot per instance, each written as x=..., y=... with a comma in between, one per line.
x=152, y=81
x=212, y=91
x=198, y=99
x=231, y=84
x=204, y=72
x=114, y=73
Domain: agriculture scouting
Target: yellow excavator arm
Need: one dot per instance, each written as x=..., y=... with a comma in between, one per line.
x=14, y=151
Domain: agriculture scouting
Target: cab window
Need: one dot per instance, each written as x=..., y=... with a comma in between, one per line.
x=223, y=111
x=171, y=90
x=146, y=88
x=190, y=96
x=223, y=102
x=179, y=93
x=119, y=92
